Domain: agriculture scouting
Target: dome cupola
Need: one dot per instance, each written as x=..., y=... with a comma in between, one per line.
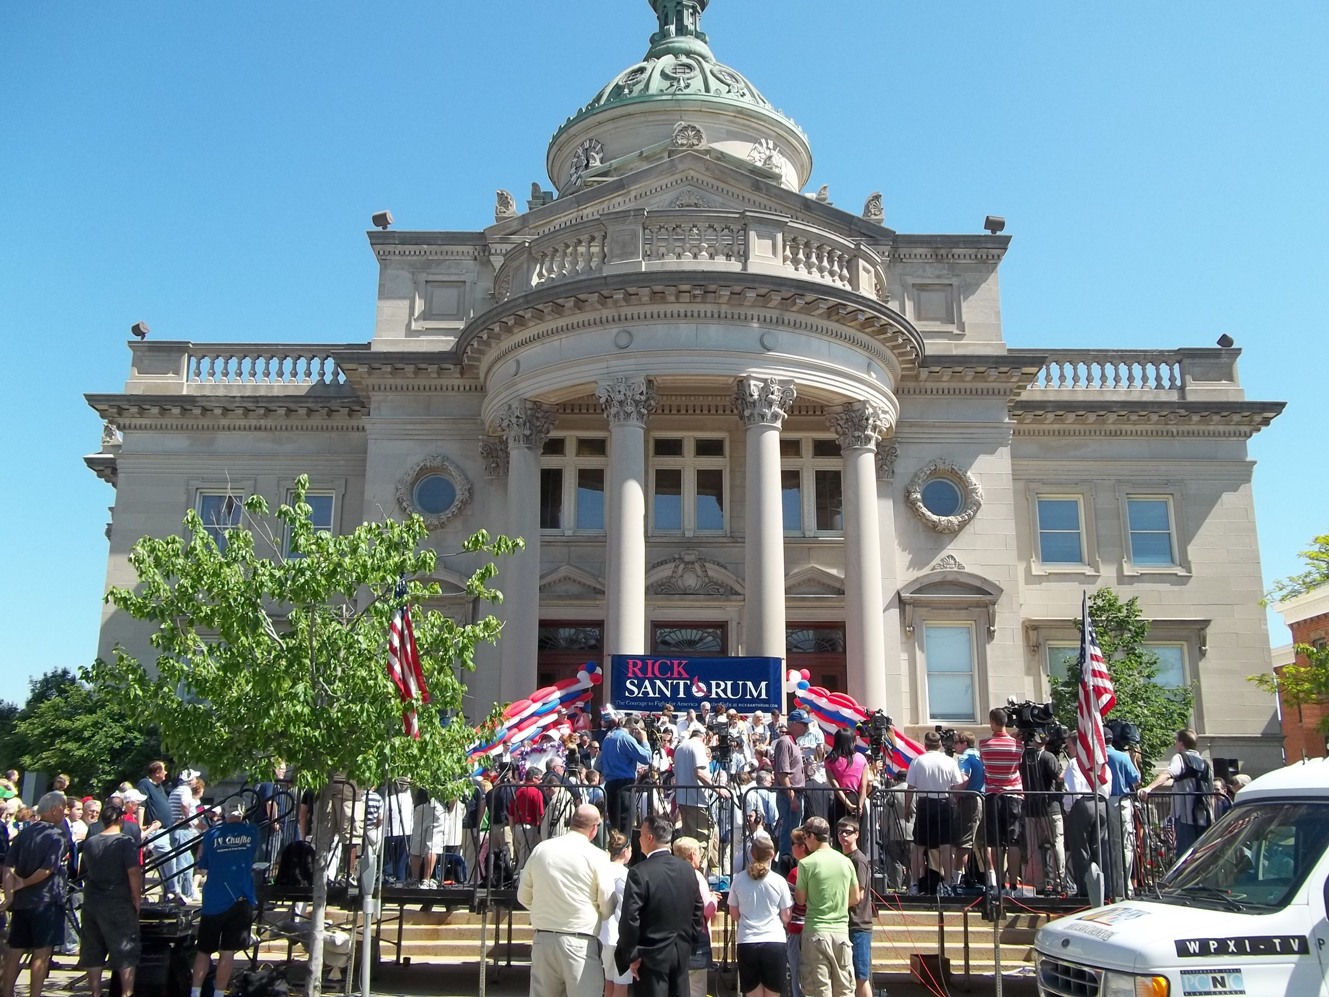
x=632, y=120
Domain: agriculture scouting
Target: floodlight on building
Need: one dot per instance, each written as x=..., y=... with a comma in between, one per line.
x=140, y=329
x=382, y=219
x=1226, y=341
x=994, y=224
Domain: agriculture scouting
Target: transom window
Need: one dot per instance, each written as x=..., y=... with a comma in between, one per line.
x=811, y=487
x=219, y=511
x=320, y=516
x=570, y=637
x=1149, y=521
x=688, y=486
x=689, y=639
x=1060, y=538
x=572, y=484
x=948, y=650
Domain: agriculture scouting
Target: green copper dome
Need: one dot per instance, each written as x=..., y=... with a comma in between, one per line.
x=679, y=63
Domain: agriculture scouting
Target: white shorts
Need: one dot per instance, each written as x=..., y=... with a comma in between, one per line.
x=426, y=838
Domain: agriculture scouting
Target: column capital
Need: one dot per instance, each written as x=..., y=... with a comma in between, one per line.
x=858, y=424
x=763, y=400
x=627, y=399
x=494, y=453
x=526, y=424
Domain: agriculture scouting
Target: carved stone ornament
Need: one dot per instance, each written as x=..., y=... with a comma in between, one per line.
x=970, y=492
x=526, y=424
x=690, y=576
x=690, y=199
x=948, y=563
x=688, y=136
x=858, y=425
x=872, y=209
x=494, y=452
x=434, y=464
x=763, y=400
x=505, y=205
x=765, y=153
x=589, y=156
x=110, y=434
x=627, y=399
x=886, y=458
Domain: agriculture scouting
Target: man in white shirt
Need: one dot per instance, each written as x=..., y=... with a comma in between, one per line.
x=566, y=885
x=693, y=792
x=932, y=775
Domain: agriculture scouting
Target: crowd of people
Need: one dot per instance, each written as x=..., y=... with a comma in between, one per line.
x=752, y=806
x=76, y=871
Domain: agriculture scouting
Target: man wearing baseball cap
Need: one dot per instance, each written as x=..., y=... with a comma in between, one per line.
x=789, y=779
x=227, y=856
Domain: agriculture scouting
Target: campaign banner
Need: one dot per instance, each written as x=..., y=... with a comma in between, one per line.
x=646, y=683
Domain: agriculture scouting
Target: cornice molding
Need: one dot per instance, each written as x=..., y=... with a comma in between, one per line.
x=184, y=413
x=1170, y=418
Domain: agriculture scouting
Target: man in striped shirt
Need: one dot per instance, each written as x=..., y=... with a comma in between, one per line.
x=1003, y=806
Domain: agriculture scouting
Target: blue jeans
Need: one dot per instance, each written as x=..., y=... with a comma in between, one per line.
x=862, y=945
x=791, y=816
x=182, y=878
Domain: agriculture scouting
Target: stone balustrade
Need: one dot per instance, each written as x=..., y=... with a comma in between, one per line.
x=174, y=367
x=1160, y=374
x=690, y=239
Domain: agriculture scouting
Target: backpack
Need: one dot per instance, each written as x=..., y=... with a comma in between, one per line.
x=296, y=865
x=1202, y=809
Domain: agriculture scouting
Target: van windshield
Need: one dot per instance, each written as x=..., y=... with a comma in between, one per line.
x=1255, y=858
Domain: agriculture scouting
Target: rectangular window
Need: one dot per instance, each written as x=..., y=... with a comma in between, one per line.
x=320, y=516
x=948, y=650
x=1171, y=664
x=573, y=471
x=219, y=511
x=688, y=482
x=812, y=486
x=1150, y=523
x=1059, y=530
x=1063, y=660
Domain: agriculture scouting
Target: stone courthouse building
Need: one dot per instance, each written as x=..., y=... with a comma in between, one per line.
x=730, y=417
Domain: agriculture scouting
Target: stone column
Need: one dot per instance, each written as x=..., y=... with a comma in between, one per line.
x=526, y=425
x=858, y=425
x=627, y=403
x=762, y=403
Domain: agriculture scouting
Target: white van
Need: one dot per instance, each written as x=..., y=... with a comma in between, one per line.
x=1243, y=912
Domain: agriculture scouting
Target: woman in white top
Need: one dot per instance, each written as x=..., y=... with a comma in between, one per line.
x=620, y=850
x=761, y=903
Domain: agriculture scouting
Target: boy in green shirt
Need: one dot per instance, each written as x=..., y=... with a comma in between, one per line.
x=828, y=884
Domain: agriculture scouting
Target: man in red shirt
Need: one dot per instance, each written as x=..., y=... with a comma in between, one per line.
x=524, y=814
x=1003, y=807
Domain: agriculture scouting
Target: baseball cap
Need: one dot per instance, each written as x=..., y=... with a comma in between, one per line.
x=800, y=717
x=233, y=808
x=818, y=828
x=132, y=796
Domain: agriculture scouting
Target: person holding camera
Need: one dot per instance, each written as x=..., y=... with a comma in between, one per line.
x=1003, y=804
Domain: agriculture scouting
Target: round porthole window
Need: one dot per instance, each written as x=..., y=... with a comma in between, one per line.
x=436, y=488
x=941, y=497
x=944, y=496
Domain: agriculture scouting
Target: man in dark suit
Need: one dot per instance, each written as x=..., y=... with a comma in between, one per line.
x=661, y=916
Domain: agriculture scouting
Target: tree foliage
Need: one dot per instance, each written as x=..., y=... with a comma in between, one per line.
x=261, y=656
x=69, y=726
x=1159, y=712
x=1315, y=575
x=1301, y=684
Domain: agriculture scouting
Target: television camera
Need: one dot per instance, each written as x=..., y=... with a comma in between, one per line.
x=723, y=741
x=876, y=730
x=1032, y=720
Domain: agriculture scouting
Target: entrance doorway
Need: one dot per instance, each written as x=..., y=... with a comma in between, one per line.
x=818, y=647
x=562, y=648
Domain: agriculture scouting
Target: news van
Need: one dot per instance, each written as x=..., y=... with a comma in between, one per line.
x=1242, y=913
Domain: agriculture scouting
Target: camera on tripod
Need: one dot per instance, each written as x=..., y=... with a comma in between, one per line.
x=948, y=736
x=1032, y=720
x=651, y=724
x=723, y=742
x=876, y=730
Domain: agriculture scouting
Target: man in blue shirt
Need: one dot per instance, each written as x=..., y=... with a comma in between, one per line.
x=968, y=811
x=1121, y=814
x=227, y=856
x=35, y=882
x=623, y=749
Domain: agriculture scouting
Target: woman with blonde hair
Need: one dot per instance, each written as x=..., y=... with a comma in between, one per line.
x=762, y=904
x=689, y=850
x=620, y=850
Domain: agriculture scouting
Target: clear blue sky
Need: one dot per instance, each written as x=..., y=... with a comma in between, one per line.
x=211, y=169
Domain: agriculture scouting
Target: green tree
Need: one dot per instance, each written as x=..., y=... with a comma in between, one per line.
x=1298, y=684
x=1159, y=712
x=72, y=727
x=261, y=656
x=1315, y=575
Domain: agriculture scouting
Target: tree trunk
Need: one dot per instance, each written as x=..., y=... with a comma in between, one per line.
x=319, y=915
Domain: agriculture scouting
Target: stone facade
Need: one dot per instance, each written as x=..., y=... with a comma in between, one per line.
x=730, y=417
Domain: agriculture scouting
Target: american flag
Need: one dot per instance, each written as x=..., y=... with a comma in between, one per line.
x=1095, y=699
x=404, y=663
